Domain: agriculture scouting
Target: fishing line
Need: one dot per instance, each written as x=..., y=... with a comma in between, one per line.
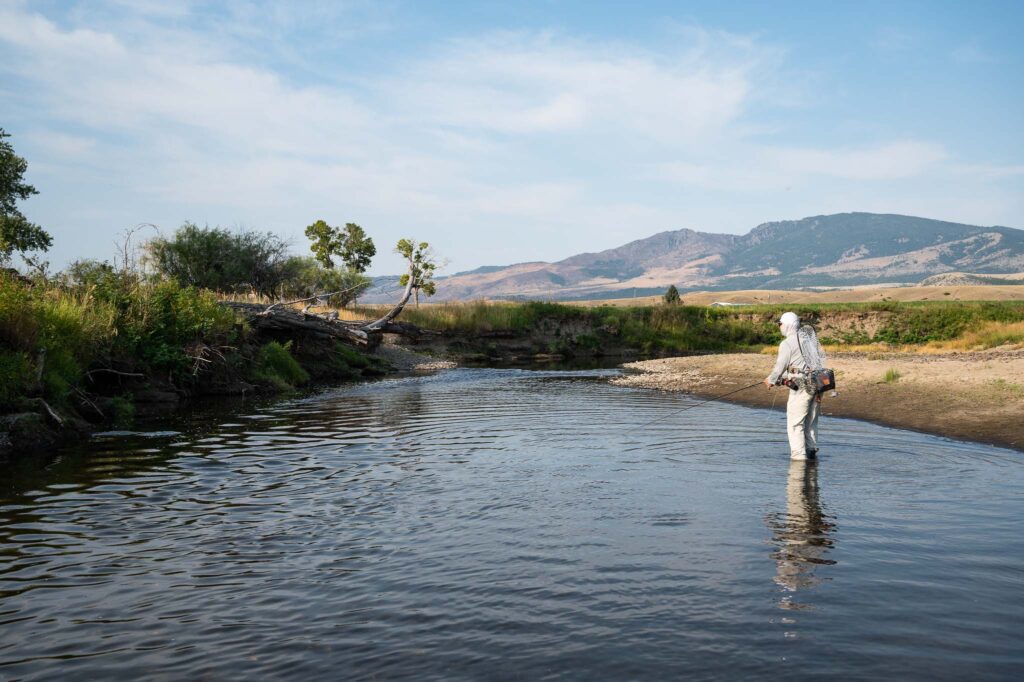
x=702, y=402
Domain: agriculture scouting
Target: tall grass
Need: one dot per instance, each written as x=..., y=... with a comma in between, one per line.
x=908, y=326
x=51, y=333
x=988, y=335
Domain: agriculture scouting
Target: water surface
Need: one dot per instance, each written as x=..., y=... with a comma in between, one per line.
x=511, y=524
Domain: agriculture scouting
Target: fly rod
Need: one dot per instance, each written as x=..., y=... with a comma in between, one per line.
x=702, y=402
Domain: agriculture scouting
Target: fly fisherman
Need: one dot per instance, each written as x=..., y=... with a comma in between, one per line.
x=804, y=405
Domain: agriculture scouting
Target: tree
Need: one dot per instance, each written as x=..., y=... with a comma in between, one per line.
x=17, y=234
x=350, y=244
x=418, y=277
x=671, y=296
x=214, y=258
x=421, y=267
x=308, y=277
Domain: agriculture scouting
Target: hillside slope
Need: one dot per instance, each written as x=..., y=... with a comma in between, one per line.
x=832, y=250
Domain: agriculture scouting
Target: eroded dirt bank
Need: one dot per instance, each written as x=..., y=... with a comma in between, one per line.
x=975, y=396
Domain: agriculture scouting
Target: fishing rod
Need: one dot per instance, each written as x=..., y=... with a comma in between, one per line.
x=702, y=402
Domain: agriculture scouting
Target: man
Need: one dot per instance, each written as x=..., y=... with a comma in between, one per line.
x=804, y=404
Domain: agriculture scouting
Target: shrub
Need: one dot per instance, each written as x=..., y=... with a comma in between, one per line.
x=214, y=258
x=275, y=366
x=122, y=411
x=163, y=318
x=15, y=376
x=891, y=375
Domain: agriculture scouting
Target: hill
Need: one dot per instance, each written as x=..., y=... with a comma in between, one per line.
x=846, y=249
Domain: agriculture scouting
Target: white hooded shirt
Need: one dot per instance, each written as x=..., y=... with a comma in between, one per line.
x=789, y=354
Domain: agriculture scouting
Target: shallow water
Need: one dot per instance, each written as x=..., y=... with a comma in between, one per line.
x=511, y=524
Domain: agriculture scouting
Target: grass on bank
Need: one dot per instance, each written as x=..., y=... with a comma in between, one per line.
x=52, y=334
x=915, y=326
x=275, y=366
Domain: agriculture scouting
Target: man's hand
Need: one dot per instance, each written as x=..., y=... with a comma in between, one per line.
x=768, y=384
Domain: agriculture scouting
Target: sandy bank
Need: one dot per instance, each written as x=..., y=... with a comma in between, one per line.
x=972, y=396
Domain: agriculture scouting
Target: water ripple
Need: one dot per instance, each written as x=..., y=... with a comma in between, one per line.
x=509, y=523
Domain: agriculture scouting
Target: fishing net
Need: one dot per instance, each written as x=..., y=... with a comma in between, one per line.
x=814, y=354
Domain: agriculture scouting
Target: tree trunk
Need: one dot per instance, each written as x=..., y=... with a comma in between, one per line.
x=410, y=286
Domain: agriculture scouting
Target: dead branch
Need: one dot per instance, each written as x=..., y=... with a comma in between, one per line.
x=314, y=297
x=113, y=371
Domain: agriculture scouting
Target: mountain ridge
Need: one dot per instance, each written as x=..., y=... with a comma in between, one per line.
x=826, y=250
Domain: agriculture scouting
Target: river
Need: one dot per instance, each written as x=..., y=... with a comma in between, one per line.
x=511, y=524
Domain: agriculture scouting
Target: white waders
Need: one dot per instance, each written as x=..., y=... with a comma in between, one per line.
x=802, y=424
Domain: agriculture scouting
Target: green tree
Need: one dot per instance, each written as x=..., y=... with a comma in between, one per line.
x=17, y=234
x=671, y=296
x=349, y=243
x=308, y=277
x=419, y=277
x=421, y=267
x=214, y=258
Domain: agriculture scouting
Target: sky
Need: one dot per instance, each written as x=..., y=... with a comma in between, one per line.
x=508, y=132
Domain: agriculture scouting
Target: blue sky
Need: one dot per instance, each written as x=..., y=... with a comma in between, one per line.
x=505, y=132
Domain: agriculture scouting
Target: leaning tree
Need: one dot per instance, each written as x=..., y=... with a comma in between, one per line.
x=418, y=277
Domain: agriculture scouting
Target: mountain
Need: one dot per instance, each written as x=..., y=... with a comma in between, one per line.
x=832, y=250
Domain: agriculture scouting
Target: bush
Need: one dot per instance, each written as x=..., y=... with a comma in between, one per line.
x=214, y=258
x=15, y=376
x=275, y=366
x=163, y=318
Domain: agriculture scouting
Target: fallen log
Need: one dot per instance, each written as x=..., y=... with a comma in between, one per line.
x=358, y=331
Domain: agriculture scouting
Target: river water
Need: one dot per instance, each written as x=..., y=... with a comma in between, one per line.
x=511, y=524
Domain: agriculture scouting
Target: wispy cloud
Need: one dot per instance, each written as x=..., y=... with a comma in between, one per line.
x=263, y=115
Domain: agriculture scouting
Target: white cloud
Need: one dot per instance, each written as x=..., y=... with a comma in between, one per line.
x=513, y=83
x=543, y=136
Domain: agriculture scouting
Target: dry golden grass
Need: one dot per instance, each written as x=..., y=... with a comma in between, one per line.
x=853, y=295
x=1009, y=335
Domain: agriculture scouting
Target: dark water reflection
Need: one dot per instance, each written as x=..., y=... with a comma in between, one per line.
x=512, y=525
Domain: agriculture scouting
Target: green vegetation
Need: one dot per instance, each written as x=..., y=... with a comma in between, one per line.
x=53, y=332
x=122, y=410
x=349, y=243
x=214, y=258
x=671, y=296
x=17, y=233
x=247, y=262
x=648, y=329
x=891, y=376
x=421, y=267
x=275, y=366
x=307, y=277
x=680, y=328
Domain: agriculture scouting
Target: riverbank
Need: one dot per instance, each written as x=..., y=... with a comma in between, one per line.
x=976, y=396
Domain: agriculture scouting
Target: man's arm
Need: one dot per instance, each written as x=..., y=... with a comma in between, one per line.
x=781, y=363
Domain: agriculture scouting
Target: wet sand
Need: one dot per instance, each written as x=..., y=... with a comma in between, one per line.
x=976, y=396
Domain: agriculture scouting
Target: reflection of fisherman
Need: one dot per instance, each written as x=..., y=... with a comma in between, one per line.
x=804, y=536
x=803, y=406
